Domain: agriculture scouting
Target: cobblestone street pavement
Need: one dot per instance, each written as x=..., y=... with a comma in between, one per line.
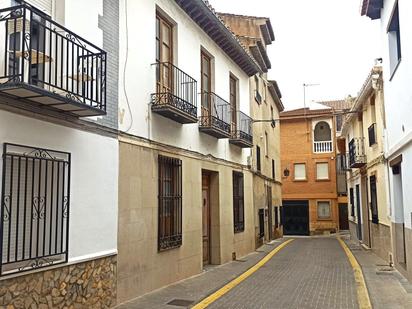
x=309, y=272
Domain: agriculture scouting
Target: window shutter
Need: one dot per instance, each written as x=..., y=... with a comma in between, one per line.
x=300, y=171
x=322, y=171
x=43, y=5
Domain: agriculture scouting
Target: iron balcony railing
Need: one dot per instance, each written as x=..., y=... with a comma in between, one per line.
x=357, y=156
x=323, y=147
x=175, y=89
x=342, y=164
x=45, y=57
x=216, y=113
x=341, y=169
x=372, y=134
x=242, y=129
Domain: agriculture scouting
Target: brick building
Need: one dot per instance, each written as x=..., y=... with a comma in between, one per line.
x=308, y=164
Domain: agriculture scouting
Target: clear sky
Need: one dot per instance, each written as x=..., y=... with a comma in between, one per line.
x=323, y=42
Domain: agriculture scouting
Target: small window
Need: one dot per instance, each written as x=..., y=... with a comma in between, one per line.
x=300, y=171
x=170, y=203
x=352, y=202
x=238, y=203
x=374, y=199
x=394, y=38
x=258, y=158
x=273, y=170
x=322, y=171
x=323, y=210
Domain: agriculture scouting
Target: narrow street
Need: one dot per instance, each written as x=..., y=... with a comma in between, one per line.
x=308, y=272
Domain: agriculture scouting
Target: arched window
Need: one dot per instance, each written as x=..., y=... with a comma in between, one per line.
x=322, y=132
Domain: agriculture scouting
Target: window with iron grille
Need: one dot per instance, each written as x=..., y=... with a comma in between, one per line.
x=34, y=208
x=170, y=203
x=374, y=199
x=258, y=158
x=238, y=203
x=352, y=202
x=261, y=223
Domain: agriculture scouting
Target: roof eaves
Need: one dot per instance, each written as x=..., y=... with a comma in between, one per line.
x=203, y=14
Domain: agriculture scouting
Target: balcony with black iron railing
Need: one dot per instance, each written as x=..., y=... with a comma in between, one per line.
x=242, y=131
x=341, y=169
x=216, y=116
x=44, y=64
x=357, y=156
x=175, y=97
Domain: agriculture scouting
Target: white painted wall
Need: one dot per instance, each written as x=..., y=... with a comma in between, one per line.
x=398, y=102
x=94, y=178
x=140, y=78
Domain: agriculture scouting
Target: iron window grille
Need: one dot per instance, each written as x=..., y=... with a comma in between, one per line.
x=170, y=203
x=372, y=134
x=261, y=223
x=238, y=202
x=51, y=61
x=374, y=199
x=35, y=210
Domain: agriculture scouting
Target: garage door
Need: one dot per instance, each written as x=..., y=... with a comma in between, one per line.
x=296, y=217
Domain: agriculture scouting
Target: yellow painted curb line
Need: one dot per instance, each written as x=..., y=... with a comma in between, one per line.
x=361, y=289
x=222, y=291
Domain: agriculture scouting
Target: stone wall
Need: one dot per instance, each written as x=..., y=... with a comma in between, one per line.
x=381, y=240
x=85, y=285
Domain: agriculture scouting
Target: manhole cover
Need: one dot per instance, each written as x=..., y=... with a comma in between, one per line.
x=180, y=302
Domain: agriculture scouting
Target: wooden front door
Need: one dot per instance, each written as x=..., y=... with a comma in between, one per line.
x=206, y=218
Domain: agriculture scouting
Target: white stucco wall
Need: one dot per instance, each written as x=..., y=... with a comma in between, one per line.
x=94, y=175
x=140, y=78
x=398, y=103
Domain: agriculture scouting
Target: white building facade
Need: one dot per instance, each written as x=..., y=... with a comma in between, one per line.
x=397, y=64
x=185, y=189
x=59, y=167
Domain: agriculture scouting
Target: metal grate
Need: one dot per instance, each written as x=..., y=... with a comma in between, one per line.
x=170, y=203
x=34, y=208
x=238, y=202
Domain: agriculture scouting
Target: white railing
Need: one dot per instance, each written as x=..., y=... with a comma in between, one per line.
x=322, y=147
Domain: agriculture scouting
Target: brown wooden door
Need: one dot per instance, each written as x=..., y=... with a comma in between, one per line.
x=164, y=55
x=206, y=219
